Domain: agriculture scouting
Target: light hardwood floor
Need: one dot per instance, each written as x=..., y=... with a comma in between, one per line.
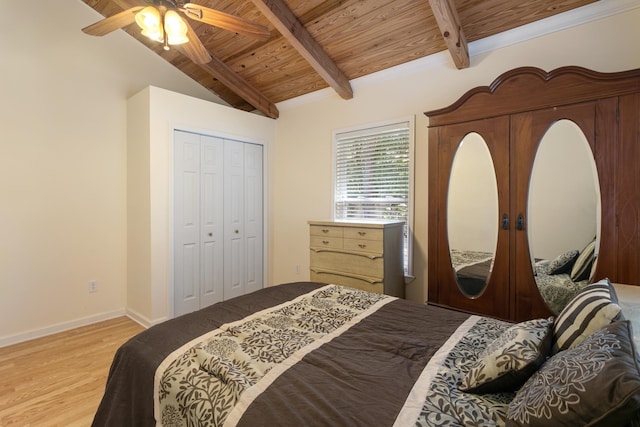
x=59, y=380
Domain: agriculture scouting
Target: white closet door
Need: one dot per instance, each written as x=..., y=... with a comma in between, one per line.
x=218, y=220
x=234, y=261
x=212, y=225
x=186, y=222
x=253, y=212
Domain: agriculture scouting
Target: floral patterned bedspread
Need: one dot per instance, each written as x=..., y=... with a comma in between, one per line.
x=463, y=258
x=227, y=377
x=441, y=403
x=207, y=381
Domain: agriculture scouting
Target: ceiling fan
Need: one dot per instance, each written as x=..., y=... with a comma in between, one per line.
x=163, y=21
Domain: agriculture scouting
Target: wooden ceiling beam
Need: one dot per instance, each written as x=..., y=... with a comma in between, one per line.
x=287, y=24
x=451, y=29
x=240, y=86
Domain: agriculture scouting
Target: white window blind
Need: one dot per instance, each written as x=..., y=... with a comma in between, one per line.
x=372, y=175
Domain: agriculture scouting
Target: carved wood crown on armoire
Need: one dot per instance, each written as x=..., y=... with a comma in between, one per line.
x=512, y=117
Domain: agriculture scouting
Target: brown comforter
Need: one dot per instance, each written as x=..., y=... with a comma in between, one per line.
x=360, y=377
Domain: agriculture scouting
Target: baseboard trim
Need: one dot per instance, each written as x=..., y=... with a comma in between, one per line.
x=143, y=320
x=138, y=318
x=59, y=327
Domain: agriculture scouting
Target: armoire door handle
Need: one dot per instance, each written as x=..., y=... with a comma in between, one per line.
x=505, y=221
x=520, y=223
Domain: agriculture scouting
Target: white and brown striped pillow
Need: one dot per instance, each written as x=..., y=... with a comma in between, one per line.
x=582, y=267
x=594, y=307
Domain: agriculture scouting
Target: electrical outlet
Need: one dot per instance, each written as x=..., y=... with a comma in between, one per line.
x=297, y=268
x=93, y=286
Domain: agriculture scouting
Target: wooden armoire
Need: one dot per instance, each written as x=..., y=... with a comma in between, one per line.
x=512, y=115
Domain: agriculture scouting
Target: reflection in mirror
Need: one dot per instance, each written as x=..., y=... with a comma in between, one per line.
x=563, y=214
x=472, y=212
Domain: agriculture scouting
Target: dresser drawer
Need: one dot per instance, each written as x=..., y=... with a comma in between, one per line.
x=363, y=233
x=326, y=231
x=326, y=242
x=318, y=275
x=349, y=263
x=363, y=245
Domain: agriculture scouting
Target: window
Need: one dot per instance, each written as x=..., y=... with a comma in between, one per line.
x=373, y=170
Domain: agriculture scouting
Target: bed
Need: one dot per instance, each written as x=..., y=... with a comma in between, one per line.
x=316, y=354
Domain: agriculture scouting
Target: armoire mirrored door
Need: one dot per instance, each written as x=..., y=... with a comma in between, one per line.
x=473, y=202
x=557, y=190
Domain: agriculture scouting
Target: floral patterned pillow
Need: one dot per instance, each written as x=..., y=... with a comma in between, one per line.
x=563, y=262
x=511, y=359
x=596, y=383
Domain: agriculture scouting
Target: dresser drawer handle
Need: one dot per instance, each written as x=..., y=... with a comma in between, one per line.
x=362, y=233
x=362, y=246
x=325, y=230
x=325, y=242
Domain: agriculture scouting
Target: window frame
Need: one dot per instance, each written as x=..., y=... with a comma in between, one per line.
x=410, y=199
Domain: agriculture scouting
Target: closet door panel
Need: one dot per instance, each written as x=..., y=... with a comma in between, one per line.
x=253, y=209
x=189, y=275
x=186, y=222
x=494, y=300
x=212, y=225
x=234, y=262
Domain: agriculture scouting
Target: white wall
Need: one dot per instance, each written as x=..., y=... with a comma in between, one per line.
x=63, y=163
x=302, y=178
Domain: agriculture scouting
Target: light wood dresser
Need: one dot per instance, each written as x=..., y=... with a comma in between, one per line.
x=363, y=255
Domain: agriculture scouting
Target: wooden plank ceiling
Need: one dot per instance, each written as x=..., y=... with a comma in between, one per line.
x=314, y=44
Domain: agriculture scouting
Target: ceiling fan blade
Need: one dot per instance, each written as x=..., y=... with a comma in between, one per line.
x=113, y=22
x=225, y=21
x=194, y=48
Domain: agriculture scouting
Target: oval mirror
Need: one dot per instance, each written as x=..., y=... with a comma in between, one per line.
x=472, y=212
x=564, y=213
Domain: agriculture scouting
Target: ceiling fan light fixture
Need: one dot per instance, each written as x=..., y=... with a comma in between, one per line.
x=175, y=28
x=148, y=19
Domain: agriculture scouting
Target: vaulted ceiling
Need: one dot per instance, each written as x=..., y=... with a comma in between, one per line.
x=314, y=44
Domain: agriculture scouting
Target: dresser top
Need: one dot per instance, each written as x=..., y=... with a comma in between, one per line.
x=359, y=223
